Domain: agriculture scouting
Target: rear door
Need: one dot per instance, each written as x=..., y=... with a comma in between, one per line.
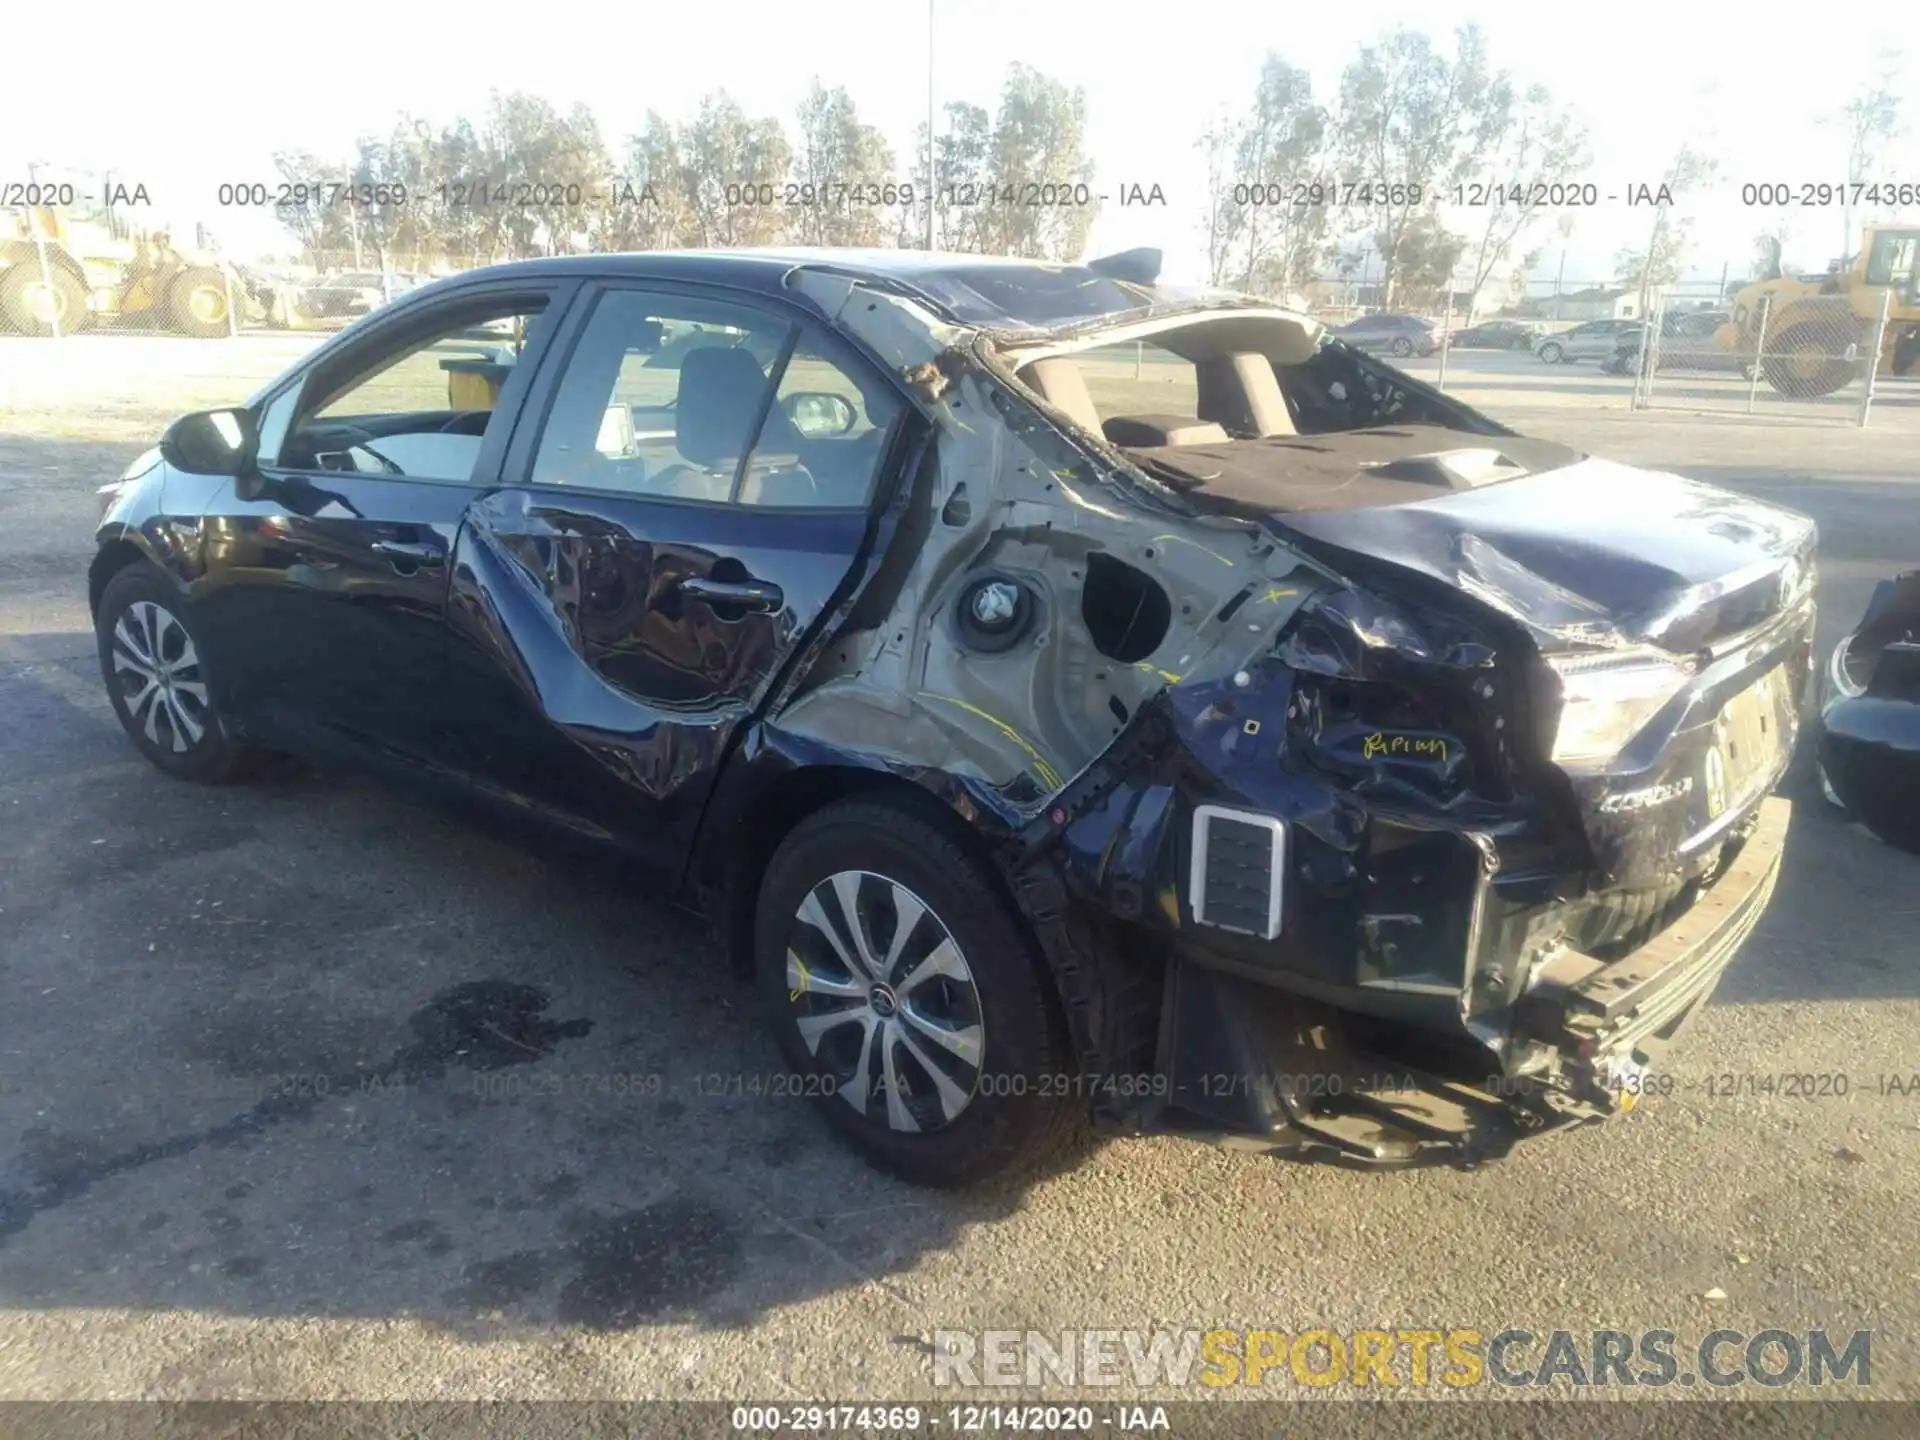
x=323, y=600
x=686, y=511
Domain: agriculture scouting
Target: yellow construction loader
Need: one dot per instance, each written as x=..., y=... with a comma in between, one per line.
x=82, y=264
x=1818, y=331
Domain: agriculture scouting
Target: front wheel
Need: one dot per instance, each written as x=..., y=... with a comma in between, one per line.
x=1551, y=354
x=199, y=304
x=156, y=679
x=907, y=999
x=1402, y=347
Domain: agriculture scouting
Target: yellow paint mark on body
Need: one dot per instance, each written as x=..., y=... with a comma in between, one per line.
x=1416, y=746
x=1048, y=775
x=1147, y=669
x=1183, y=540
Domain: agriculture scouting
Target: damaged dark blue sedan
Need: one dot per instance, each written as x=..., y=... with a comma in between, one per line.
x=1071, y=696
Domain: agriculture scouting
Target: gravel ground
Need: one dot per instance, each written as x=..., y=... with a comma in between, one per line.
x=309, y=1092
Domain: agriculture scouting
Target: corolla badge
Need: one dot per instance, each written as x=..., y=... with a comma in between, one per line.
x=1628, y=801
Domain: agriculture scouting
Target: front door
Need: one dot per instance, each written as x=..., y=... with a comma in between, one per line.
x=323, y=600
x=689, y=509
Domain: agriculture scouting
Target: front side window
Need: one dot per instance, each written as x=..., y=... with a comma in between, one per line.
x=420, y=411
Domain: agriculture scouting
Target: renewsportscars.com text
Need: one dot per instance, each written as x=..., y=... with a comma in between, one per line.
x=1457, y=1358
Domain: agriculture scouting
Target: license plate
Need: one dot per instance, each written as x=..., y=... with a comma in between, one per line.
x=1749, y=738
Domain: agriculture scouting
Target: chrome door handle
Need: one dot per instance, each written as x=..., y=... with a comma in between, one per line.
x=742, y=594
x=410, y=553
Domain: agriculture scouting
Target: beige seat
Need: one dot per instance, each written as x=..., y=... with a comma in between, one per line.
x=1058, y=381
x=1241, y=394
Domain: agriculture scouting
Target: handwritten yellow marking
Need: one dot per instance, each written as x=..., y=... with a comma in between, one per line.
x=1275, y=594
x=806, y=979
x=1378, y=744
x=1048, y=775
x=1147, y=669
x=1183, y=540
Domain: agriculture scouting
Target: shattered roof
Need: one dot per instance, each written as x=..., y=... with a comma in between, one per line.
x=980, y=291
x=995, y=293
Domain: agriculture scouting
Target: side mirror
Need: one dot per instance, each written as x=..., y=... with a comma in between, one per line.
x=820, y=414
x=211, y=442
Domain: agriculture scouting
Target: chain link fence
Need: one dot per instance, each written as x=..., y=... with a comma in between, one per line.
x=1727, y=348
x=1811, y=356
x=74, y=268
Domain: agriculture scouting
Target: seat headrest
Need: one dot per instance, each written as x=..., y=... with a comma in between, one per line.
x=718, y=401
x=1058, y=381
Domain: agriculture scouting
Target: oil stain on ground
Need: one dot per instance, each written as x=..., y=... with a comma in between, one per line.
x=627, y=1270
x=481, y=1025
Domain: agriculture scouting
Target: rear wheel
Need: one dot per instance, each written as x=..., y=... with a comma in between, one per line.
x=32, y=304
x=1804, y=366
x=198, y=303
x=156, y=679
x=907, y=998
x=1402, y=346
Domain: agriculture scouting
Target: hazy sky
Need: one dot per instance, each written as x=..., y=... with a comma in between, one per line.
x=193, y=104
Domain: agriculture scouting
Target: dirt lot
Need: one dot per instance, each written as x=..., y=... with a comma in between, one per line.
x=306, y=1091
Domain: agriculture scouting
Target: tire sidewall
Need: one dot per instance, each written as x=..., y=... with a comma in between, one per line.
x=1024, y=1079
x=1551, y=354
x=216, y=756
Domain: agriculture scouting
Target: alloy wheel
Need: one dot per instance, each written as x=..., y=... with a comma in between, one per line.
x=156, y=671
x=884, y=999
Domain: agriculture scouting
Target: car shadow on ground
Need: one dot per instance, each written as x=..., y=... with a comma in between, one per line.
x=304, y=1048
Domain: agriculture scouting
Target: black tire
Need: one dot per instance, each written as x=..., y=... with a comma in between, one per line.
x=1550, y=353
x=161, y=727
x=198, y=304
x=1402, y=347
x=1019, y=1101
x=1836, y=373
x=20, y=307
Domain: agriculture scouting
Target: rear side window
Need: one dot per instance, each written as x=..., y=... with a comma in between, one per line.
x=685, y=398
x=662, y=396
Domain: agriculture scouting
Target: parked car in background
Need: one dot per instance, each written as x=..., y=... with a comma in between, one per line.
x=1498, y=335
x=353, y=293
x=1686, y=343
x=1595, y=340
x=1400, y=335
x=1869, y=728
x=828, y=587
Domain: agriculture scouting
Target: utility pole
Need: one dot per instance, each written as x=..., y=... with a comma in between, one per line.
x=932, y=186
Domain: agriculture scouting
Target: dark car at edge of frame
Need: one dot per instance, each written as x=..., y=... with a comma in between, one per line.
x=1266, y=745
x=1869, y=739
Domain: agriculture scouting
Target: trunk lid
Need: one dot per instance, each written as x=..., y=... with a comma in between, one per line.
x=1593, y=554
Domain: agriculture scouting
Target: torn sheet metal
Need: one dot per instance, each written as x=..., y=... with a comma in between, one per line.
x=1014, y=499
x=1593, y=555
